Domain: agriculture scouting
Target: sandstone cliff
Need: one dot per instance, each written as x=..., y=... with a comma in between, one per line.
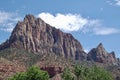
x=34, y=35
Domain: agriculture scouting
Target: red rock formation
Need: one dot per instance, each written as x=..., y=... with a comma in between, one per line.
x=8, y=69
x=52, y=70
x=99, y=54
x=34, y=35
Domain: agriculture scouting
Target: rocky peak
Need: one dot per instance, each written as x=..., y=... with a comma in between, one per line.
x=29, y=18
x=101, y=50
x=34, y=35
x=99, y=54
x=112, y=54
x=100, y=46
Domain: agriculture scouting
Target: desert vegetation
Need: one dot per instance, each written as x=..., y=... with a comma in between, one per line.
x=78, y=72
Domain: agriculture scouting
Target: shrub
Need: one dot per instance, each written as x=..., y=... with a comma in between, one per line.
x=93, y=73
x=33, y=73
x=67, y=75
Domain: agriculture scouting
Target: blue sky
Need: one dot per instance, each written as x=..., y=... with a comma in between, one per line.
x=90, y=21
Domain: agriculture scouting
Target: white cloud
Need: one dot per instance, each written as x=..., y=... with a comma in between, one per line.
x=8, y=21
x=105, y=31
x=117, y=2
x=98, y=28
x=109, y=2
x=86, y=50
x=4, y=16
x=75, y=22
x=67, y=22
x=113, y=2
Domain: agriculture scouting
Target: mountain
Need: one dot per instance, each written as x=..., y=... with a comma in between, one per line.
x=34, y=42
x=100, y=55
x=34, y=35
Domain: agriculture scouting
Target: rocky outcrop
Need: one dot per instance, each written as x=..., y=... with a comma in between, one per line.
x=99, y=54
x=34, y=35
x=57, y=77
x=8, y=68
x=52, y=70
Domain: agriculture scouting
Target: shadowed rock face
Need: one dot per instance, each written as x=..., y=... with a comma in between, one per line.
x=99, y=54
x=33, y=34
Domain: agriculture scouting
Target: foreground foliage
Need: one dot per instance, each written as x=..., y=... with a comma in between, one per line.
x=77, y=73
x=67, y=75
x=85, y=73
x=33, y=73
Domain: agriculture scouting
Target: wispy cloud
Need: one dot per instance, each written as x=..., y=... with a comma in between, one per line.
x=114, y=2
x=65, y=22
x=117, y=2
x=105, y=31
x=8, y=21
x=75, y=22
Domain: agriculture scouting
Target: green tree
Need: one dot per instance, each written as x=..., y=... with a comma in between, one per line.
x=80, y=72
x=93, y=73
x=99, y=74
x=67, y=74
x=33, y=73
x=19, y=76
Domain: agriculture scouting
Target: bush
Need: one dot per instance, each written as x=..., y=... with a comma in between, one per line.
x=33, y=73
x=81, y=72
x=67, y=75
x=85, y=73
x=99, y=74
x=93, y=73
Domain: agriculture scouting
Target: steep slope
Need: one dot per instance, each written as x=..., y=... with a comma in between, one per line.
x=34, y=35
x=99, y=54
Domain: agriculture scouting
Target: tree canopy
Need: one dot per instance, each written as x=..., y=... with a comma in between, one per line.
x=33, y=73
x=85, y=73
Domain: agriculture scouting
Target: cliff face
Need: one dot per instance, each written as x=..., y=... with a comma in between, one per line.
x=99, y=54
x=34, y=35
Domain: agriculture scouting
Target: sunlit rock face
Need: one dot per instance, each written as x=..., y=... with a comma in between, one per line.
x=99, y=54
x=33, y=34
